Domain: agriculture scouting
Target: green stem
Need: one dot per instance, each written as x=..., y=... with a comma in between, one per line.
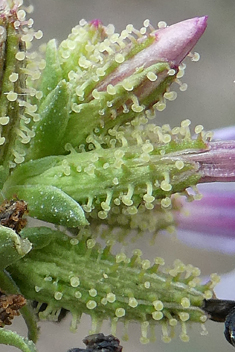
x=9, y=107
x=11, y=338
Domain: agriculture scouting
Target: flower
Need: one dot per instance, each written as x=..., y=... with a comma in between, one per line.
x=226, y=133
x=73, y=146
x=77, y=146
x=209, y=222
x=227, y=281
x=122, y=77
x=216, y=163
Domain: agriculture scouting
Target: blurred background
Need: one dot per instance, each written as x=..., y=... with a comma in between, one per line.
x=209, y=100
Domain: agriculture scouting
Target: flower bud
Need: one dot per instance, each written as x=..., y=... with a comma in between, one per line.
x=111, y=79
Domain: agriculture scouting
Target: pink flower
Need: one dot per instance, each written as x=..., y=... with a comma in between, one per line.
x=210, y=222
x=171, y=45
x=124, y=77
x=216, y=164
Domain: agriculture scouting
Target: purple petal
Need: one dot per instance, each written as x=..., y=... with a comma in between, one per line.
x=210, y=223
x=207, y=242
x=227, y=281
x=226, y=133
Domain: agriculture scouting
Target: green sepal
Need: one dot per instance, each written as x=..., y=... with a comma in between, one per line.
x=30, y=169
x=39, y=236
x=12, y=246
x=50, y=204
x=86, y=178
x=87, y=119
x=52, y=73
x=54, y=115
x=8, y=337
x=80, y=276
x=76, y=46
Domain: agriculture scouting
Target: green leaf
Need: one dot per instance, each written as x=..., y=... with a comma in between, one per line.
x=50, y=204
x=52, y=73
x=38, y=236
x=12, y=246
x=54, y=115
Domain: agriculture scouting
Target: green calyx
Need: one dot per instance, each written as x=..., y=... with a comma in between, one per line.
x=84, y=95
x=76, y=274
x=103, y=179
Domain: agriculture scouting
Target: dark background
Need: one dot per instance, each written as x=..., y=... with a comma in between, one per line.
x=209, y=101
